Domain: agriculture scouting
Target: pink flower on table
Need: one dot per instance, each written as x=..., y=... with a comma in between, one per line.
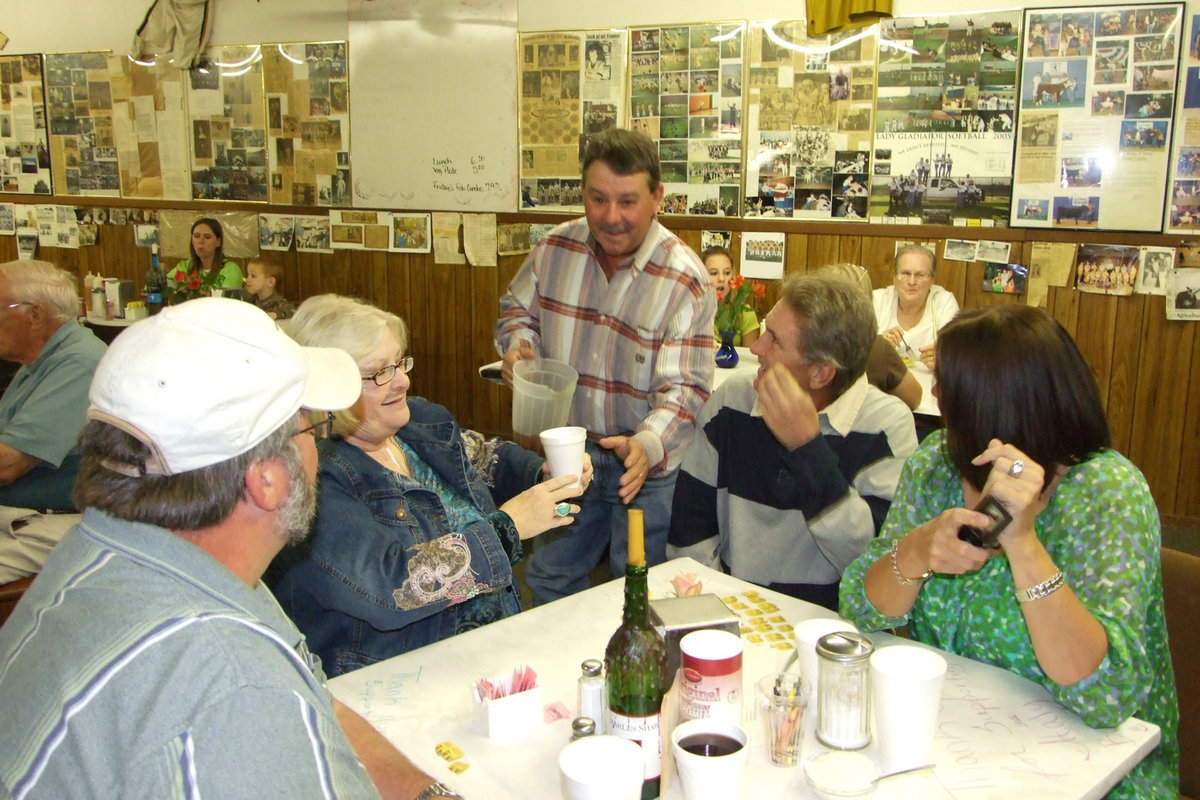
x=687, y=585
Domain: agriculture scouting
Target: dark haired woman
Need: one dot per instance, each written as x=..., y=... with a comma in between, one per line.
x=208, y=254
x=1072, y=596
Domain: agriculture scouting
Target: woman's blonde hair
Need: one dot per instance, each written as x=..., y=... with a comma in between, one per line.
x=852, y=272
x=332, y=320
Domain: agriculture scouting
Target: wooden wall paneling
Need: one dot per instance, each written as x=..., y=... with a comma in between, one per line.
x=822, y=249
x=439, y=340
x=1162, y=392
x=1187, y=496
x=876, y=256
x=1126, y=352
x=483, y=396
x=1063, y=305
x=461, y=339
x=849, y=249
x=1096, y=326
x=306, y=277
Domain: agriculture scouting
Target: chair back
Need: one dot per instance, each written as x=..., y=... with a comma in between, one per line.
x=10, y=593
x=1181, y=594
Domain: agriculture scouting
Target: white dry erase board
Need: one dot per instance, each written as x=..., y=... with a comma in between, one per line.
x=433, y=110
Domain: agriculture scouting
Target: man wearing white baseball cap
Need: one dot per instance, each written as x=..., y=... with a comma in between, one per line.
x=148, y=659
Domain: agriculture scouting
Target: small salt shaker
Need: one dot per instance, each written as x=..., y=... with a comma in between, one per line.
x=843, y=690
x=581, y=727
x=591, y=692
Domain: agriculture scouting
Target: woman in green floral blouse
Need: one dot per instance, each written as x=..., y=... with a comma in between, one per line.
x=1072, y=596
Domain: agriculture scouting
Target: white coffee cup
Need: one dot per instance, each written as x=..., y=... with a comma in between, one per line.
x=564, y=450
x=806, y=633
x=906, y=695
x=709, y=777
x=710, y=683
x=601, y=768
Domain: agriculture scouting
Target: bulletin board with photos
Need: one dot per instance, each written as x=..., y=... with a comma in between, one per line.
x=308, y=123
x=227, y=113
x=572, y=86
x=23, y=130
x=686, y=95
x=943, y=144
x=83, y=151
x=150, y=128
x=1183, y=205
x=809, y=116
x=1097, y=102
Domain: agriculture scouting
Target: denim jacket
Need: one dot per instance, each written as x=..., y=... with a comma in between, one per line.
x=381, y=572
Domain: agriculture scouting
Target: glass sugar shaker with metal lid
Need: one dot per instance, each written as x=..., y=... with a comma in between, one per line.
x=582, y=726
x=843, y=690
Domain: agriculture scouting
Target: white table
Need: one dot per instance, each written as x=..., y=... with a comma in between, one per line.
x=747, y=365
x=1000, y=736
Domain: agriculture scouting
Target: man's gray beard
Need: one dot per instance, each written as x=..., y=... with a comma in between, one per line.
x=300, y=506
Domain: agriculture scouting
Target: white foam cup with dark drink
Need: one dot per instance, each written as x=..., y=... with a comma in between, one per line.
x=709, y=757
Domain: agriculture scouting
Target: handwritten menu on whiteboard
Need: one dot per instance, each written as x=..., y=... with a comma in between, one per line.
x=448, y=144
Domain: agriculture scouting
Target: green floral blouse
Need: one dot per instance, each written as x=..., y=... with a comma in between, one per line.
x=1102, y=530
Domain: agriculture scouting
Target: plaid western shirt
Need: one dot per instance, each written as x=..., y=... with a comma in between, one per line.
x=642, y=343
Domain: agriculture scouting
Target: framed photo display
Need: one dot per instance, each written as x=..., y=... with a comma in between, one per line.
x=1094, y=126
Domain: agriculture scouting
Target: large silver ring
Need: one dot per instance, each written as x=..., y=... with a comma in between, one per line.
x=562, y=509
x=1017, y=468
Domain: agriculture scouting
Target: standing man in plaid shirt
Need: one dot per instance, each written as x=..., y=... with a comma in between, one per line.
x=628, y=304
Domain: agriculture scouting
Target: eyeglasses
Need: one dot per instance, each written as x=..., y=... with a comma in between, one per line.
x=384, y=376
x=320, y=430
x=914, y=276
x=14, y=305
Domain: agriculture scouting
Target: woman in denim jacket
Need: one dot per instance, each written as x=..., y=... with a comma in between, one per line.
x=408, y=546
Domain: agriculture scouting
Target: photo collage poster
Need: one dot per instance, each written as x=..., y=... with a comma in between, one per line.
x=944, y=119
x=572, y=86
x=150, y=128
x=83, y=148
x=1183, y=207
x=1094, y=122
x=23, y=132
x=808, y=120
x=686, y=95
x=229, y=136
x=308, y=123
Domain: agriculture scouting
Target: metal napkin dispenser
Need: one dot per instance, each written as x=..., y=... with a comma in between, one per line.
x=119, y=293
x=676, y=617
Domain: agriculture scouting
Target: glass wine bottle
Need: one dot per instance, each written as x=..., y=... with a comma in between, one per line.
x=636, y=663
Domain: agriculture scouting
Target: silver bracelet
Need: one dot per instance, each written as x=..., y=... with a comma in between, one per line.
x=438, y=789
x=1043, y=589
x=924, y=576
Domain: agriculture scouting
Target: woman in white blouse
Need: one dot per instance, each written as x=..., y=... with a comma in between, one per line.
x=911, y=311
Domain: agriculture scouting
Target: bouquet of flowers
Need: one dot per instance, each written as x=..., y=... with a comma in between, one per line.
x=193, y=284
x=736, y=301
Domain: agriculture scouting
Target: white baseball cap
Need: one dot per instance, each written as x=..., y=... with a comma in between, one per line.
x=207, y=380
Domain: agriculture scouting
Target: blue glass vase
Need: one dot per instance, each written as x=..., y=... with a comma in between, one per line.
x=727, y=354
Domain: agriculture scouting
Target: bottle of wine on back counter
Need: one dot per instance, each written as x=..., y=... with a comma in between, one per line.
x=156, y=283
x=636, y=663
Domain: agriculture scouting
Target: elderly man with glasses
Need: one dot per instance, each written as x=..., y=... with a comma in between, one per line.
x=42, y=411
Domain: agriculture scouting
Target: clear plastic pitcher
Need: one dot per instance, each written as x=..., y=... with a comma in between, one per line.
x=542, y=392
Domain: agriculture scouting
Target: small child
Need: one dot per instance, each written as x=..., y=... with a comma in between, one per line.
x=721, y=272
x=261, y=288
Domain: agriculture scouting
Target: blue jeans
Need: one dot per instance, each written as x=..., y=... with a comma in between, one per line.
x=563, y=557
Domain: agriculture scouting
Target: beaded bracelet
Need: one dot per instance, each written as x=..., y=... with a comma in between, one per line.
x=926, y=575
x=1043, y=589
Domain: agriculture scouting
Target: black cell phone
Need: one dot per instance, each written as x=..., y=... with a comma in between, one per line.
x=989, y=537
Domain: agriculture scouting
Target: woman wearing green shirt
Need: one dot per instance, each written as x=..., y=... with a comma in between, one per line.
x=1071, y=597
x=208, y=254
